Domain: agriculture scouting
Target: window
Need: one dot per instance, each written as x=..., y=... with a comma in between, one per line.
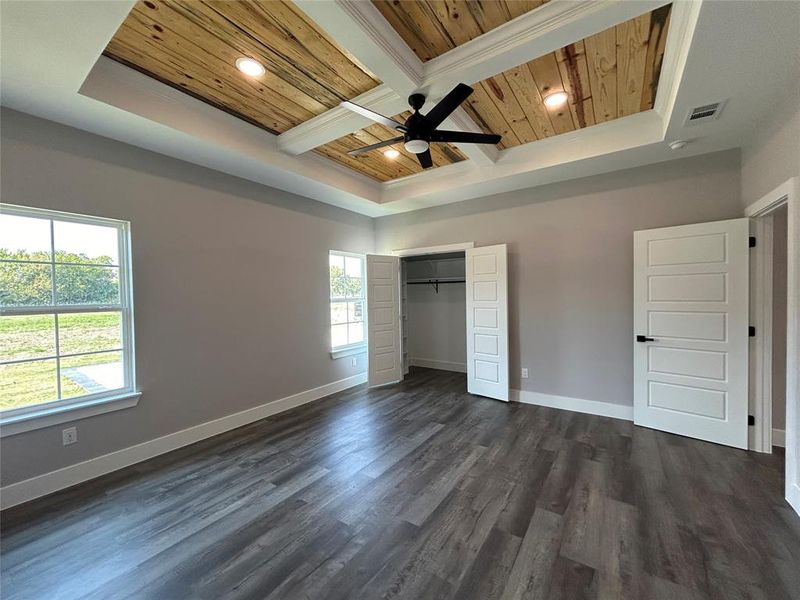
x=65, y=311
x=348, y=328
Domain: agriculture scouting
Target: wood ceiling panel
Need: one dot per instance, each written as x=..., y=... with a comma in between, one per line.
x=608, y=75
x=432, y=27
x=192, y=45
x=374, y=164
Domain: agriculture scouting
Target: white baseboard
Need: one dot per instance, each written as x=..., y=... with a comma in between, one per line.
x=442, y=365
x=592, y=407
x=779, y=438
x=41, y=485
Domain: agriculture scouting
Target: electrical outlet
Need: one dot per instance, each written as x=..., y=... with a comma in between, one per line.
x=69, y=435
x=354, y=362
x=524, y=373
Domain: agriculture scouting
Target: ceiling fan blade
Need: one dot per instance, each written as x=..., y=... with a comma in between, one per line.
x=371, y=114
x=425, y=159
x=465, y=137
x=358, y=151
x=448, y=104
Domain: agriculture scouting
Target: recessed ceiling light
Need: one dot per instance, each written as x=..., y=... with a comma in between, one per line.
x=555, y=99
x=391, y=153
x=678, y=144
x=250, y=66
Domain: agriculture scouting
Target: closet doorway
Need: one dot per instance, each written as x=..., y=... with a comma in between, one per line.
x=442, y=307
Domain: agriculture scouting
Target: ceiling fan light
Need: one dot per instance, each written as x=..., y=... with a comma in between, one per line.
x=416, y=146
x=391, y=153
x=250, y=66
x=555, y=99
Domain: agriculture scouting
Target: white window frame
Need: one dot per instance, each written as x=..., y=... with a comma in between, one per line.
x=357, y=347
x=44, y=414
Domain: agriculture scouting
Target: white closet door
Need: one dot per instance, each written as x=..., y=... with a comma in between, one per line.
x=691, y=330
x=487, y=321
x=385, y=351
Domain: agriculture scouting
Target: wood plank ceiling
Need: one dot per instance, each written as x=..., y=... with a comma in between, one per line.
x=432, y=27
x=193, y=45
x=609, y=75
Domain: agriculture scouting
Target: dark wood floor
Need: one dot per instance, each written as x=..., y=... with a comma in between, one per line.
x=418, y=491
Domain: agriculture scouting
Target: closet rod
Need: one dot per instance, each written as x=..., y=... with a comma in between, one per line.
x=435, y=282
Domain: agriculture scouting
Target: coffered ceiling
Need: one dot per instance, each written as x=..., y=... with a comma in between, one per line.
x=161, y=75
x=192, y=45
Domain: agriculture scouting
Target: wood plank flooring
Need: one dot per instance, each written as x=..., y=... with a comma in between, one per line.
x=417, y=490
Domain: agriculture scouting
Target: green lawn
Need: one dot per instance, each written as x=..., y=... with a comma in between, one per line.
x=22, y=337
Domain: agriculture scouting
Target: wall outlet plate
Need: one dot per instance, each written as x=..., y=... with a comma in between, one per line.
x=354, y=362
x=69, y=435
x=524, y=373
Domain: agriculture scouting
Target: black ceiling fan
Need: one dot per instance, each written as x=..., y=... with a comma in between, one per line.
x=420, y=130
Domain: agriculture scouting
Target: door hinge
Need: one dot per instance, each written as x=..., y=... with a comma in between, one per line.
x=752, y=241
x=751, y=331
x=751, y=420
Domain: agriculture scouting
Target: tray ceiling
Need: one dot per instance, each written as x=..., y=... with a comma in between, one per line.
x=377, y=166
x=432, y=27
x=193, y=45
x=609, y=75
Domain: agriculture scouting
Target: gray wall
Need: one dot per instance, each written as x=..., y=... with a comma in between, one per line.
x=230, y=284
x=773, y=154
x=437, y=323
x=779, y=240
x=571, y=262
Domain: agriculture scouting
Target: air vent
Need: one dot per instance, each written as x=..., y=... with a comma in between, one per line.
x=702, y=114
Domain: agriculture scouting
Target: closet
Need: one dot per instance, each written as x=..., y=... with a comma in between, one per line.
x=444, y=308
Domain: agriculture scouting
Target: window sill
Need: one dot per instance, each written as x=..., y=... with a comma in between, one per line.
x=56, y=415
x=349, y=351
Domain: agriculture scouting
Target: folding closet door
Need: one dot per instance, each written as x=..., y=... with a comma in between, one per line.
x=487, y=321
x=385, y=351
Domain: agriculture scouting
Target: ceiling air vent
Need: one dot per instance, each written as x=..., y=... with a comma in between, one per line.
x=707, y=112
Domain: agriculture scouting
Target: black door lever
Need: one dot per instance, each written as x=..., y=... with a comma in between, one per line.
x=644, y=338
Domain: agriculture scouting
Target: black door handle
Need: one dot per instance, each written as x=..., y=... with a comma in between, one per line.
x=644, y=338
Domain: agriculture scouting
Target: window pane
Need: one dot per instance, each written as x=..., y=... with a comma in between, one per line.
x=24, y=238
x=23, y=384
x=355, y=312
x=352, y=287
x=31, y=336
x=338, y=335
x=87, y=285
x=338, y=312
x=25, y=284
x=89, y=332
x=91, y=373
x=352, y=267
x=336, y=260
x=82, y=243
x=355, y=333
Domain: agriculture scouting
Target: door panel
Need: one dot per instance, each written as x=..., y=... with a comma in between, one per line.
x=691, y=296
x=487, y=321
x=383, y=320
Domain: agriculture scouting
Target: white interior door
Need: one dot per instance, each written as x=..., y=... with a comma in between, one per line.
x=487, y=321
x=691, y=330
x=385, y=352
